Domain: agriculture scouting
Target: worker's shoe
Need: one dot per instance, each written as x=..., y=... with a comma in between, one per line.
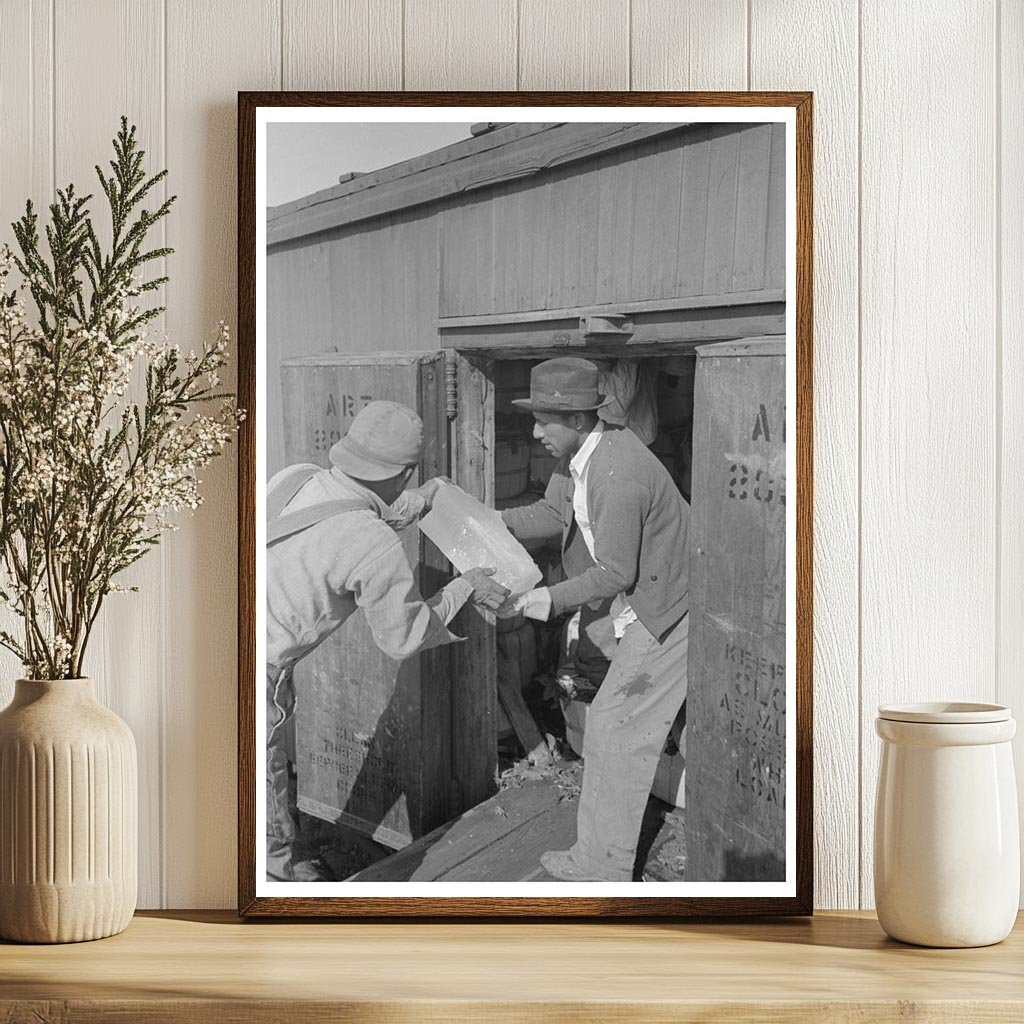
x=559, y=864
x=315, y=870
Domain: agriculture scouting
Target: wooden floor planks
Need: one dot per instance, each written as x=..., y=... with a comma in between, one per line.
x=501, y=838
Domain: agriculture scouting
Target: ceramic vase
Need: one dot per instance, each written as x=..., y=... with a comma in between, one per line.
x=68, y=815
x=947, y=847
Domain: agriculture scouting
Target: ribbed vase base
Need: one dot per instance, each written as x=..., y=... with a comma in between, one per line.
x=68, y=815
x=63, y=913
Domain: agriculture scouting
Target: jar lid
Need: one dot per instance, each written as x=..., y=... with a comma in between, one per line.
x=945, y=713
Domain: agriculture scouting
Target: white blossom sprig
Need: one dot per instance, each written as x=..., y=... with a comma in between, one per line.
x=89, y=477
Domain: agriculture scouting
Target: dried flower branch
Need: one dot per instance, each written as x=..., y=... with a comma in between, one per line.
x=88, y=478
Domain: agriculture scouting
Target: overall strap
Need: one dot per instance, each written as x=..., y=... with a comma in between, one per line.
x=285, y=485
x=304, y=518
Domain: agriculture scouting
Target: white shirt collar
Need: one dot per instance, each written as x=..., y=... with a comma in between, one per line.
x=578, y=463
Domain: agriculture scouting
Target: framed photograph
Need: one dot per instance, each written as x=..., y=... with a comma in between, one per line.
x=525, y=497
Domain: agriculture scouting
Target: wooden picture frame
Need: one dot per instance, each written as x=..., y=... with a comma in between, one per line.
x=476, y=339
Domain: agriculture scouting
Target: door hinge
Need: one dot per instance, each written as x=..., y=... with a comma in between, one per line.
x=451, y=382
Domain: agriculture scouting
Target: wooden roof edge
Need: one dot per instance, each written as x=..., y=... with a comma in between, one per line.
x=481, y=143
x=421, y=181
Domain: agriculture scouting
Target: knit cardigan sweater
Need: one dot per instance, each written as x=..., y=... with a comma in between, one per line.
x=640, y=523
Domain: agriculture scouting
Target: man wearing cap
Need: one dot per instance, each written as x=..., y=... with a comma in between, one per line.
x=332, y=548
x=623, y=525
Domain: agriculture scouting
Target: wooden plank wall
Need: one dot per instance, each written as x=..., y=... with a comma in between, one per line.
x=328, y=296
x=658, y=219
x=920, y=250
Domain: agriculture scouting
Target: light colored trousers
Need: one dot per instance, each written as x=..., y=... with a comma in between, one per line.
x=627, y=726
x=282, y=826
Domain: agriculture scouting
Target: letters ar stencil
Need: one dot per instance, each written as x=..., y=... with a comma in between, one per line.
x=762, y=430
x=338, y=406
x=346, y=406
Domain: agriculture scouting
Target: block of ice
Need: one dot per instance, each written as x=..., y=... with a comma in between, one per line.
x=470, y=534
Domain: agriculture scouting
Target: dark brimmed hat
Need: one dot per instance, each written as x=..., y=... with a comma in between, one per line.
x=564, y=385
x=383, y=440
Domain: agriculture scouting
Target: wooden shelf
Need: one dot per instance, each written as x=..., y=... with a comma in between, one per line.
x=208, y=966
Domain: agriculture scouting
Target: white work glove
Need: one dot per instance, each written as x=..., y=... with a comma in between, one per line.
x=534, y=604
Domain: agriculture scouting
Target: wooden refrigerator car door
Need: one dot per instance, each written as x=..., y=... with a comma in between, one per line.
x=736, y=702
x=373, y=736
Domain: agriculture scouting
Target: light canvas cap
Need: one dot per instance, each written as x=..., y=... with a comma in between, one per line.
x=384, y=439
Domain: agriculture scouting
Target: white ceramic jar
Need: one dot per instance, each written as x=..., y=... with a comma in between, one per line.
x=947, y=847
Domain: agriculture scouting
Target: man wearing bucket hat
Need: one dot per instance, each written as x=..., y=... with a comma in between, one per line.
x=623, y=525
x=332, y=548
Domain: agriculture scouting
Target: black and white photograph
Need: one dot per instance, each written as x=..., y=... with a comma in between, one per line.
x=525, y=565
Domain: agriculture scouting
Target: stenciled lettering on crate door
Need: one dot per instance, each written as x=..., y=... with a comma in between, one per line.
x=373, y=736
x=736, y=705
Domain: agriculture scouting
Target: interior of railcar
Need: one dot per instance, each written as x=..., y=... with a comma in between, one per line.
x=558, y=670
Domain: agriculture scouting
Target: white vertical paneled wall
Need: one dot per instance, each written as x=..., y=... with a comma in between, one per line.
x=1008, y=257
x=919, y=317
x=573, y=44
x=832, y=74
x=213, y=50
x=129, y=676
x=26, y=160
x=929, y=351
x=471, y=44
